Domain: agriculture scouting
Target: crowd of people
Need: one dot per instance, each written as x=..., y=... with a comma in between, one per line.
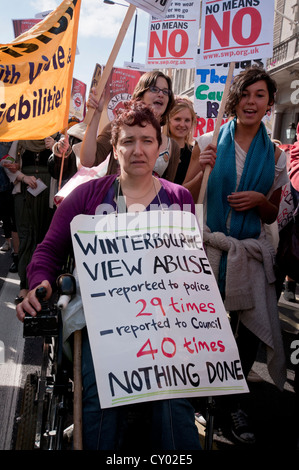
x=153, y=158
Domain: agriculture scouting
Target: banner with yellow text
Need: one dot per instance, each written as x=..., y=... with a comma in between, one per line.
x=36, y=72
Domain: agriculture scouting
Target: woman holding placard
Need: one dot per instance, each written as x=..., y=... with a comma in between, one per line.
x=136, y=139
x=243, y=194
x=154, y=89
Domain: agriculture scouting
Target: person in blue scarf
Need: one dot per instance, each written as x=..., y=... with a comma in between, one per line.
x=242, y=196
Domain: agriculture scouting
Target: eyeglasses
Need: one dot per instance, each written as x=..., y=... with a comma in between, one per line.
x=155, y=89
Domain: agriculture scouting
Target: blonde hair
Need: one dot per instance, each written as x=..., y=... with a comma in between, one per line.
x=180, y=103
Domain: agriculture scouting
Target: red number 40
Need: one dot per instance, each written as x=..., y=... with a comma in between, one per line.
x=148, y=349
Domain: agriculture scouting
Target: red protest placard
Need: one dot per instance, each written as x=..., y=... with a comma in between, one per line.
x=234, y=30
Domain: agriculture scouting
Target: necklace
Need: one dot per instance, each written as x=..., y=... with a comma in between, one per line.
x=139, y=197
x=120, y=201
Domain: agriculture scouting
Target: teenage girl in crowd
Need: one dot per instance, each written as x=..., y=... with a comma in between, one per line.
x=243, y=194
x=180, y=127
x=154, y=89
x=33, y=213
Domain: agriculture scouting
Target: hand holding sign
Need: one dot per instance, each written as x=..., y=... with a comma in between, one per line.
x=245, y=32
x=216, y=132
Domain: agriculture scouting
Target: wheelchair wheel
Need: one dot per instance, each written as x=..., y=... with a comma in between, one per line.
x=27, y=425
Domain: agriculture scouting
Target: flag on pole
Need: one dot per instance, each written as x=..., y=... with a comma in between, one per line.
x=36, y=71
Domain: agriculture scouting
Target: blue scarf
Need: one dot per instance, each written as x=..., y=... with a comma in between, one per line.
x=258, y=175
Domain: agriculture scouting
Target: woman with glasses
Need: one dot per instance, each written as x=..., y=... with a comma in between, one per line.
x=154, y=89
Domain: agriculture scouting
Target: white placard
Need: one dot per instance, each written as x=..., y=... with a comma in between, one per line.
x=173, y=41
x=286, y=206
x=232, y=31
x=40, y=187
x=157, y=325
x=209, y=83
x=153, y=7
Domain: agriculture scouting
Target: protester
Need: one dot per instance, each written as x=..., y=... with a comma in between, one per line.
x=68, y=147
x=33, y=213
x=7, y=204
x=294, y=163
x=294, y=179
x=283, y=281
x=5, y=209
x=291, y=284
x=180, y=126
x=5, y=199
x=154, y=89
x=243, y=193
x=136, y=138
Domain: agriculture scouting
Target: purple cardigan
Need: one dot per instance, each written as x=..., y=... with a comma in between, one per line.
x=49, y=256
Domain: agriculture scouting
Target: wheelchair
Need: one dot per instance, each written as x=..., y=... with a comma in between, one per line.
x=46, y=415
x=50, y=417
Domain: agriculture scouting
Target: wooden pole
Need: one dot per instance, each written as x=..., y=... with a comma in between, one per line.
x=77, y=435
x=216, y=131
x=101, y=85
x=61, y=166
x=61, y=171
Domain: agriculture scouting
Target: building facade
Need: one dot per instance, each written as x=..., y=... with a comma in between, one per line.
x=284, y=68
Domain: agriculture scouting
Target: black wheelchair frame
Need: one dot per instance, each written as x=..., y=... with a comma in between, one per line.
x=45, y=421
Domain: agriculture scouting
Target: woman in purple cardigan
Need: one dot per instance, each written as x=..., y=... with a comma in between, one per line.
x=136, y=137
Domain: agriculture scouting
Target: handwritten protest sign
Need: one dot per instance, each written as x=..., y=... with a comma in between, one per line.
x=286, y=206
x=236, y=30
x=172, y=42
x=157, y=325
x=36, y=76
x=209, y=83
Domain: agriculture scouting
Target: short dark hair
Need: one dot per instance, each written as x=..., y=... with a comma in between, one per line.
x=244, y=79
x=149, y=79
x=134, y=113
